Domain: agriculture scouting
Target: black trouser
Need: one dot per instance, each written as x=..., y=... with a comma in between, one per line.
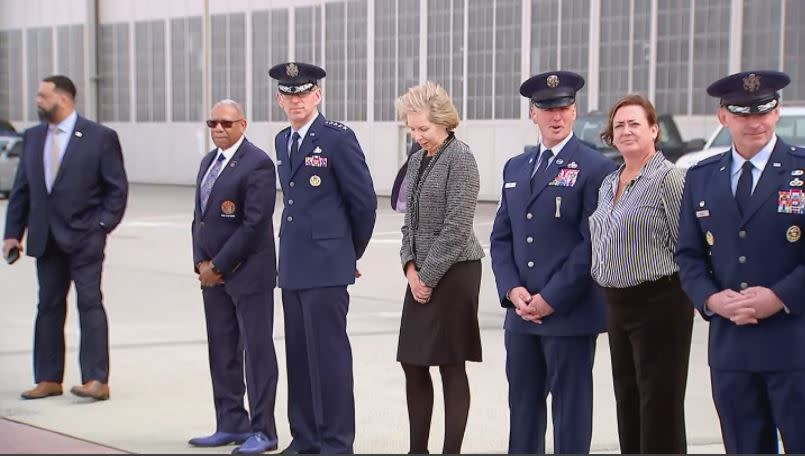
x=650, y=328
x=55, y=270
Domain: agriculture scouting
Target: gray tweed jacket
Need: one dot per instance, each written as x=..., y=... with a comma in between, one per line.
x=440, y=208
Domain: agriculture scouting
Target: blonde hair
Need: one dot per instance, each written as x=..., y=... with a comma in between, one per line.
x=430, y=97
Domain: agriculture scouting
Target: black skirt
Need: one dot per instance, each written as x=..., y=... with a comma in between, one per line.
x=444, y=330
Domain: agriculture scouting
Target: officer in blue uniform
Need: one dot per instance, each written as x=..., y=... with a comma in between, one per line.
x=326, y=224
x=742, y=262
x=541, y=258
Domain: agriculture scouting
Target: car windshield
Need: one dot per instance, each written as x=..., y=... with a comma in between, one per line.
x=588, y=129
x=790, y=128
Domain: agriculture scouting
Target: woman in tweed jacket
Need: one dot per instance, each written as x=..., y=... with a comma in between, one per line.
x=441, y=260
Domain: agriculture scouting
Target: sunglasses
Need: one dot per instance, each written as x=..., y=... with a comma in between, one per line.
x=212, y=123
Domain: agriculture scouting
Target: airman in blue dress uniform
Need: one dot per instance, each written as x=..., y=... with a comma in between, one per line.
x=541, y=257
x=326, y=224
x=742, y=262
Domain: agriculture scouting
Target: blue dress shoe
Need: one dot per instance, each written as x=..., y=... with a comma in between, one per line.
x=220, y=439
x=257, y=443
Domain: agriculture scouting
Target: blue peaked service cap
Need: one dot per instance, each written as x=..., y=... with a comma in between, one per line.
x=749, y=92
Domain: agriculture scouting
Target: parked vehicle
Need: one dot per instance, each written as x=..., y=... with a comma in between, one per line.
x=790, y=127
x=588, y=129
x=10, y=152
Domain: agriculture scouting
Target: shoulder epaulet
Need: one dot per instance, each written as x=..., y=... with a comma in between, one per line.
x=798, y=151
x=335, y=125
x=709, y=160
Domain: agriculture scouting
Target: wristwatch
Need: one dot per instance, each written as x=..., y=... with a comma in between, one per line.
x=214, y=269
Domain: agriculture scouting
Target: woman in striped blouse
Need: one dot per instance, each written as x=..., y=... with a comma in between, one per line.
x=634, y=234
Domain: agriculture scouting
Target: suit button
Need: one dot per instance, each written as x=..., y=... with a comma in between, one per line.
x=744, y=285
x=290, y=202
x=291, y=184
x=741, y=259
x=529, y=216
x=530, y=264
x=202, y=223
x=529, y=239
x=742, y=234
x=290, y=219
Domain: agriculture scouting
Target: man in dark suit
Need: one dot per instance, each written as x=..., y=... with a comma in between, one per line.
x=327, y=222
x=541, y=257
x=70, y=192
x=233, y=254
x=742, y=262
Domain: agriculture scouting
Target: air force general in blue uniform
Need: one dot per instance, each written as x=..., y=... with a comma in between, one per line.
x=327, y=223
x=742, y=262
x=541, y=258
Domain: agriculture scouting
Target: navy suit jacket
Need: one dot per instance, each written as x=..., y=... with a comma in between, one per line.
x=236, y=229
x=760, y=248
x=330, y=207
x=89, y=193
x=527, y=231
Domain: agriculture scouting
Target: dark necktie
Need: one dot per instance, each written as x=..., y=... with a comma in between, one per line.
x=294, y=146
x=541, y=166
x=209, y=181
x=744, y=190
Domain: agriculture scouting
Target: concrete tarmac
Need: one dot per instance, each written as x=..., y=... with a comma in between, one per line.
x=160, y=384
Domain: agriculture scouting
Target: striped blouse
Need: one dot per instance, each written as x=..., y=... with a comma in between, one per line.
x=634, y=239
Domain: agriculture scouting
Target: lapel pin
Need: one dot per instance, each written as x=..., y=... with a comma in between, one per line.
x=797, y=172
x=723, y=168
x=279, y=162
x=701, y=203
x=796, y=182
x=530, y=160
x=317, y=150
x=572, y=165
x=559, y=161
x=233, y=163
x=776, y=164
x=78, y=134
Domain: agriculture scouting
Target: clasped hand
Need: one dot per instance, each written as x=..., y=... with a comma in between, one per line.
x=421, y=292
x=746, y=307
x=206, y=276
x=529, y=307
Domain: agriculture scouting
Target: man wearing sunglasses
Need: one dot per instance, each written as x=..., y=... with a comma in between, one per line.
x=233, y=254
x=326, y=224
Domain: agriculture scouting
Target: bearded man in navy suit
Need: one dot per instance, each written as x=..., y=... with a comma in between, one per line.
x=233, y=254
x=70, y=192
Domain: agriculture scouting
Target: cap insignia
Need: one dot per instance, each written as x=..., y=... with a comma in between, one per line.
x=553, y=81
x=752, y=83
x=292, y=70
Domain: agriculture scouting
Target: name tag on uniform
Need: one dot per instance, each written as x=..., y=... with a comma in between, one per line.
x=510, y=185
x=704, y=213
x=566, y=178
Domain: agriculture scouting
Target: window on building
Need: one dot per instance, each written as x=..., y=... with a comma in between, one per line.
x=11, y=74
x=70, y=59
x=114, y=97
x=673, y=57
x=186, y=69
x=149, y=74
x=39, y=63
x=794, y=58
x=345, y=60
x=508, y=14
x=446, y=46
x=480, y=59
x=269, y=47
x=308, y=34
x=616, y=44
x=228, y=57
x=760, y=35
x=711, y=42
x=575, y=47
x=544, y=35
x=396, y=53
